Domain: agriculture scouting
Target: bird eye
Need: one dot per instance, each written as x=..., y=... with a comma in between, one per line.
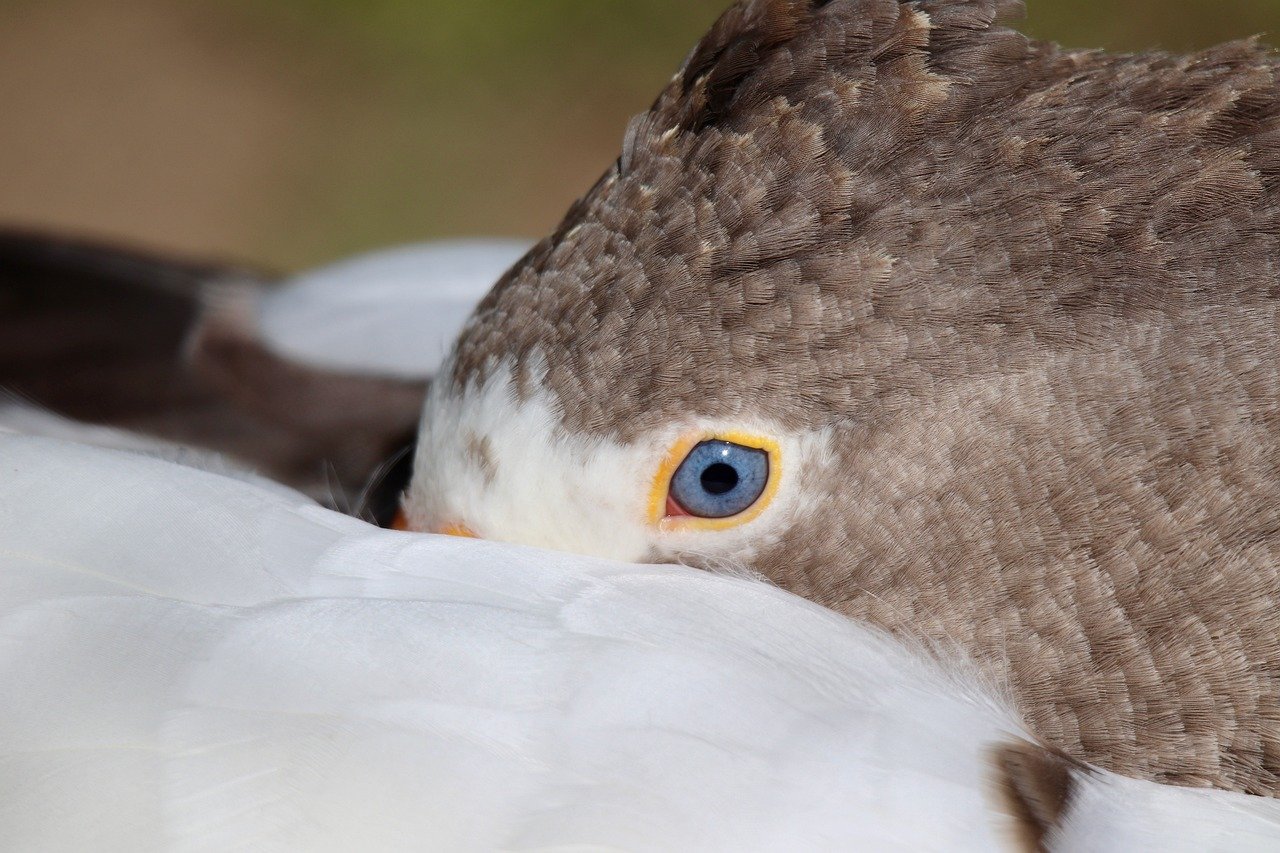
x=718, y=479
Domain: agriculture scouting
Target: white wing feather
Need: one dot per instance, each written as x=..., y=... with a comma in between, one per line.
x=389, y=313
x=1114, y=813
x=192, y=662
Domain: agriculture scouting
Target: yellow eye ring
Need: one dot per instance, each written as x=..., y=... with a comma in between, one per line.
x=660, y=489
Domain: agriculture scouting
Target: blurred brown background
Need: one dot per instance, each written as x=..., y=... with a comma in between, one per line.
x=290, y=132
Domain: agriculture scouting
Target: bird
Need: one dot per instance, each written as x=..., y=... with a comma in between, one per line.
x=196, y=662
x=964, y=336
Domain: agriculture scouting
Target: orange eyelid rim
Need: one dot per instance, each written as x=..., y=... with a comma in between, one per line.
x=662, y=482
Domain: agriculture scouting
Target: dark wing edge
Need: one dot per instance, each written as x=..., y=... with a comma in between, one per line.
x=1035, y=786
x=168, y=347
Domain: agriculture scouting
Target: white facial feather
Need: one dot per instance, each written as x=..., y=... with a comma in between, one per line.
x=507, y=470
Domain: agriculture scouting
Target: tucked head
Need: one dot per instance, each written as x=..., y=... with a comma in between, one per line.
x=660, y=376
x=850, y=241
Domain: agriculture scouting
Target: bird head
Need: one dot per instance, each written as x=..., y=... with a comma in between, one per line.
x=752, y=296
x=900, y=309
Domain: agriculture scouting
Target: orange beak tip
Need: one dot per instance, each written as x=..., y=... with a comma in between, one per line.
x=401, y=522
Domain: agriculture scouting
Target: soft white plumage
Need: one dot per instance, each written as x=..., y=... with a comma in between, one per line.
x=192, y=662
x=392, y=312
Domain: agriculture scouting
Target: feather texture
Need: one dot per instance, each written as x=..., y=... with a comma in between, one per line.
x=192, y=662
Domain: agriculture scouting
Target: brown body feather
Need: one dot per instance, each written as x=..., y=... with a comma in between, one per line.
x=1032, y=291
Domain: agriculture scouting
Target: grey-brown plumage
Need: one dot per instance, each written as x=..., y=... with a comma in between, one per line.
x=1032, y=291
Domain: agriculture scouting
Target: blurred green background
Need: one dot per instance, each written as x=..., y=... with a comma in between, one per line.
x=290, y=132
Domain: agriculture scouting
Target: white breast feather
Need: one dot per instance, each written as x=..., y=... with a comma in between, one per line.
x=191, y=662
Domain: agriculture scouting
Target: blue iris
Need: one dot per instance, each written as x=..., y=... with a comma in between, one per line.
x=719, y=479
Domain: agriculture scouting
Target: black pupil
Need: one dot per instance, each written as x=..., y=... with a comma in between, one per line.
x=720, y=478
